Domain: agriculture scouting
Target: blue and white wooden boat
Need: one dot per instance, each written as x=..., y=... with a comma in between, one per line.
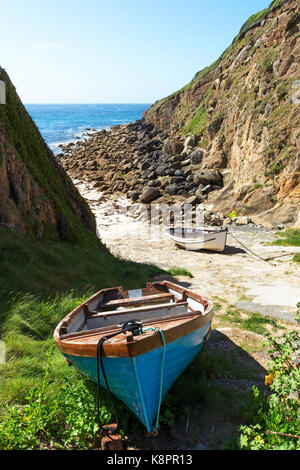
x=175, y=324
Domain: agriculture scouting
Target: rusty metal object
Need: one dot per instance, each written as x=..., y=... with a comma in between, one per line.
x=68, y=362
x=111, y=439
x=148, y=434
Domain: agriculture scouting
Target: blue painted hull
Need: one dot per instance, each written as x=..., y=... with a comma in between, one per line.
x=136, y=380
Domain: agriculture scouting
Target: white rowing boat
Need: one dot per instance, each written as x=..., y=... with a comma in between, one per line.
x=199, y=239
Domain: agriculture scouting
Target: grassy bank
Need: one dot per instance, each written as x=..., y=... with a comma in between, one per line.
x=39, y=284
x=20, y=136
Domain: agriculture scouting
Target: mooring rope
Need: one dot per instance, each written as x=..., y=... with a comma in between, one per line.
x=134, y=326
x=156, y=426
x=248, y=249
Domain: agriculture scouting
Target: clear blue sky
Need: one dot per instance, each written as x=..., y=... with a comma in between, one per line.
x=113, y=51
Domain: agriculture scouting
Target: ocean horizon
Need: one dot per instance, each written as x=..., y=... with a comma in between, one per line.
x=62, y=123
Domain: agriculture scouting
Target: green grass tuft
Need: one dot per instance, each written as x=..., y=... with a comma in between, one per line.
x=180, y=272
x=296, y=257
x=290, y=237
x=253, y=322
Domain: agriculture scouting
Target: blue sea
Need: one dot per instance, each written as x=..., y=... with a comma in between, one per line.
x=61, y=123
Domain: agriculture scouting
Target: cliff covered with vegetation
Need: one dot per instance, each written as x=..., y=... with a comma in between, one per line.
x=36, y=195
x=42, y=279
x=244, y=112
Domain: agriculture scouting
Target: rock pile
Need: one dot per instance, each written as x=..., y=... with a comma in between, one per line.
x=142, y=162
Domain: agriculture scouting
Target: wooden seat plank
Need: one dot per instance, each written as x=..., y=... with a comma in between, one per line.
x=109, y=329
x=137, y=310
x=138, y=300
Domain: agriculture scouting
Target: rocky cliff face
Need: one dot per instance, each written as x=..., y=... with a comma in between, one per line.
x=36, y=196
x=243, y=113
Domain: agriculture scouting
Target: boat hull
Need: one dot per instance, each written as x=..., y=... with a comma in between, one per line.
x=136, y=380
x=212, y=241
x=137, y=328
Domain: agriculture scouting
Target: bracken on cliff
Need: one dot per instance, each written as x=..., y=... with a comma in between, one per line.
x=36, y=195
x=244, y=112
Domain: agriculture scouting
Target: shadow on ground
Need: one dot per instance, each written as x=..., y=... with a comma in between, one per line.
x=233, y=250
x=170, y=278
x=213, y=398
x=229, y=250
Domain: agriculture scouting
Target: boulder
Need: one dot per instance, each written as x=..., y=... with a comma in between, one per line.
x=155, y=183
x=216, y=219
x=171, y=189
x=199, y=192
x=182, y=192
x=176, y=165
x=149, y=194
x=196, y=156
x=241, y=56
x=186, y=162
x=134, y=195
x=160, y=170
x=193, y=200
x=126, y=168
x=170, y=171
x=177, y=179
x=173, y=146
x=243, y=220
x=141, y=135
x=144, y=166
x=208, y=177
x=295, y=97
x=190, y=141
x=186, y=152
x=152, y=175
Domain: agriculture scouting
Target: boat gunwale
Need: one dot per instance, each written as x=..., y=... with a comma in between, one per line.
x=190, y=240
x=203, y=230
x=196, y=239
x=134, y=347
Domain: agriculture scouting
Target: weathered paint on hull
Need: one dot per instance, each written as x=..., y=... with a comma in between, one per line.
x=136, y=381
